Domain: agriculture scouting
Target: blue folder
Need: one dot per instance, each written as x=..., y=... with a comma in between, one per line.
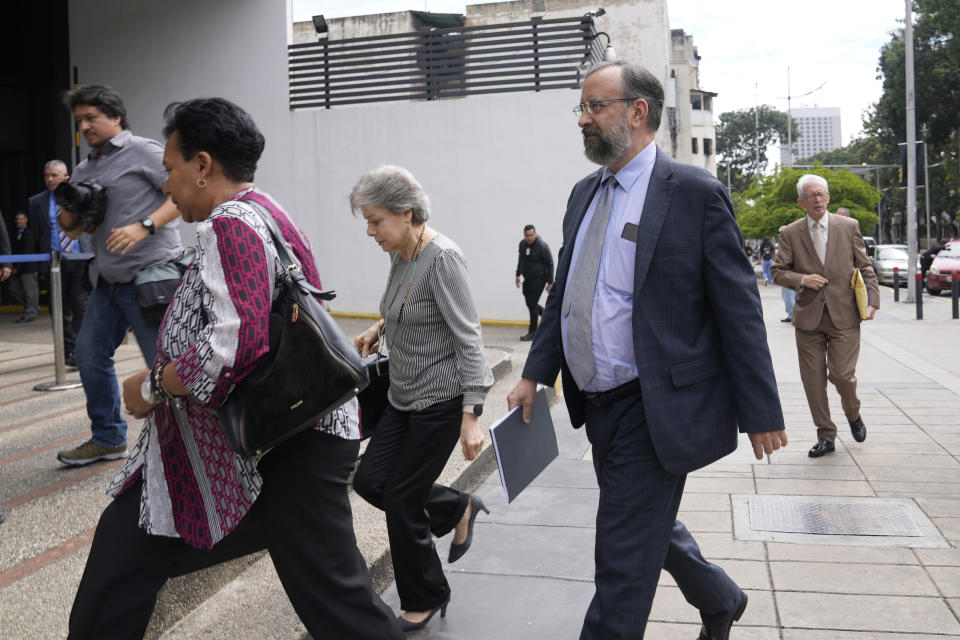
x=524, y=450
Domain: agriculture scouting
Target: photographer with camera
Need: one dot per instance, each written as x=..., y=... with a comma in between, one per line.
x=115, y=196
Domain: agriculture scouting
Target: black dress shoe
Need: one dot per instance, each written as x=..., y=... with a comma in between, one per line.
x=822, y=447
x=787, y=319
x=528, y=337
x=858, y=429
x=457, y=550
x=720, y=628
x=406, y=625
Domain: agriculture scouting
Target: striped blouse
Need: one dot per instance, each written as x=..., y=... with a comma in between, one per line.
x=216, y=327
x=436, y=348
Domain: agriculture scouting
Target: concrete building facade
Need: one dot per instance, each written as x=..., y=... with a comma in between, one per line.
x=690, y=124
x=819, y=130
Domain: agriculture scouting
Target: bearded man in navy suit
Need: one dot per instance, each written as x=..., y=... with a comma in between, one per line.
x=676, y=359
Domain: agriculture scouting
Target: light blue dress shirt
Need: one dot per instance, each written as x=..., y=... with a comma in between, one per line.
x=612, y=315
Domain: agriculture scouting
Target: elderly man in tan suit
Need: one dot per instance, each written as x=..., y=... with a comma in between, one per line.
x=817, y=257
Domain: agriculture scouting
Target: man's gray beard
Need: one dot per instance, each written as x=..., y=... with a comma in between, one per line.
x=610, y=146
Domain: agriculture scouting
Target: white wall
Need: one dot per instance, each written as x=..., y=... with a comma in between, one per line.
x=160, y=52
x=490, y=164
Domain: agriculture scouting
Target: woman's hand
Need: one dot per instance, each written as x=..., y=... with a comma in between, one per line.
x=132, y=399
x=471, y=436
x=369, y=341
x=124, y=238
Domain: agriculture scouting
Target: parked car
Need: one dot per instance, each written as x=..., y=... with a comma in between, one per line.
x=871, y=244
x=944, y=266
x=886, y=257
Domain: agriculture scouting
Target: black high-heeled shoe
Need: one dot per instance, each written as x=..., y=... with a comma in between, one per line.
x=457, y=550
x=406, y=625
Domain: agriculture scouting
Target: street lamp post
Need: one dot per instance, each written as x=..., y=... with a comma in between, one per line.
x=790, y=116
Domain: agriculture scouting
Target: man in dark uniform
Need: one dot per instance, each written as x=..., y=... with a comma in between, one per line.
x=536, y=267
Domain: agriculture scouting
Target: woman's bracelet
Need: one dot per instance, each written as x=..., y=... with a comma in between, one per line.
x=156, y=383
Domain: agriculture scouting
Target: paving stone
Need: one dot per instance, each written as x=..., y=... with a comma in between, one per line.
x=722, y=485
x=568, y=473
x=797, y=455
x=939, y=557
x=940, y=507
x=707, y=521
x=552, y=552
x=549, y=506
x=778, y=551
x=870, y=458
x=918, y=473
x=947, y=579
x=810, y=471
x=705, y=502
x=802, y=487
x=832, y=634
x=876, y=579
x=528, y=608
x=874, y=613
x=918, y=489
x=950, y=527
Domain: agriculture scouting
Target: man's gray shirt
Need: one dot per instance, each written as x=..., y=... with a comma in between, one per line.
x=131, y=169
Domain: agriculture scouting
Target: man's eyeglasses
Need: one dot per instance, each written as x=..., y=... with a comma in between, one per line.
x=815, y=196
x=596, y=106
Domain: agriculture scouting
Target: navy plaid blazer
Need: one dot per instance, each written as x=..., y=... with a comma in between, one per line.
x=698, y=332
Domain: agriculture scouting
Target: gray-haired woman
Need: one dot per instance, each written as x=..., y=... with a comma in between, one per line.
x=438, y=381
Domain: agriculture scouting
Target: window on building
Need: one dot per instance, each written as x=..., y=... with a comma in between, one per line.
x=696, y=101
x=707, y=146
x=707, y=106
x=693, y=145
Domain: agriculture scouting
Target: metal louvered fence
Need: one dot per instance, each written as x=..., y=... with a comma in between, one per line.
x=535, y=55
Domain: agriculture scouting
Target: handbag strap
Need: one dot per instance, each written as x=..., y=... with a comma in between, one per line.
x=289, y=262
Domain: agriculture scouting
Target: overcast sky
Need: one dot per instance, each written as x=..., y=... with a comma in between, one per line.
x=745, y=44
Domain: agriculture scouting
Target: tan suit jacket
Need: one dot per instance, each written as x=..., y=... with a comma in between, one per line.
x=845, y=252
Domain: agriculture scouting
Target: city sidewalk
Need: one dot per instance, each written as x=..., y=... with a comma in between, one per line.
x=529, y=573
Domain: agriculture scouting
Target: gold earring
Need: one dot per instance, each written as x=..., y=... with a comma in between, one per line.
x=201, y=183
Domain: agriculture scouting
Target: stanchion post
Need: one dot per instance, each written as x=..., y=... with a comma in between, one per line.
x=896, y=284
x=955, y=290
x=56, y=311
x=919, y=297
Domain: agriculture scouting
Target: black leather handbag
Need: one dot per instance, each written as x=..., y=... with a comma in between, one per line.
x=311, y=369
x=373, y=400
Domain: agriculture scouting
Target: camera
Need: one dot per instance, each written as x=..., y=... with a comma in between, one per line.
x=86, y=199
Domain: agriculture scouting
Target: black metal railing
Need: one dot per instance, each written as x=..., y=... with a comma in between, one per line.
x=535, y=55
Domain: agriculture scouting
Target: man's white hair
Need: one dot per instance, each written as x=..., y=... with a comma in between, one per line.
x=810, y=177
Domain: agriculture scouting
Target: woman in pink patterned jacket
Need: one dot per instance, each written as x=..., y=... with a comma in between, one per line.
x=184, y=500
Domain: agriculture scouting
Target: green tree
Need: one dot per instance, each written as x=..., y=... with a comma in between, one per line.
x=774, y=200
x=739, y=133
x=937, y=100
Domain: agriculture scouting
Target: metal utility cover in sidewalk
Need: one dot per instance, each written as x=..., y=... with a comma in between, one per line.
x=878, y=519
x=830, y=520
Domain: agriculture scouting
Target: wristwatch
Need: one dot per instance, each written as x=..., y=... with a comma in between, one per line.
x=475, y=409
x=146, y=392
x=148, y=225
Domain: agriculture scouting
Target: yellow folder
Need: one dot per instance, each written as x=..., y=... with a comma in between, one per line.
x=860, y=292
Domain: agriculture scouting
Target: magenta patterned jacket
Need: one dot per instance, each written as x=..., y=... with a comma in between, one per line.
x=216, y=327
